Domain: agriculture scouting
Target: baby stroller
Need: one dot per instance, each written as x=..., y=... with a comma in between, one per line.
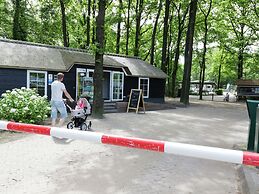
x=80, y=110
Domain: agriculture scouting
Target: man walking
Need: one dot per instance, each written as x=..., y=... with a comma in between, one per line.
x=57, y=103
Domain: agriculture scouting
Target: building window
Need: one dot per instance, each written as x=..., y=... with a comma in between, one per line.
x=37, y=80
x=144, y=85
x=117, y=86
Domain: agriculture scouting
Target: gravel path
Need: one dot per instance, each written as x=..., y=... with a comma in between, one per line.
x=37, y=164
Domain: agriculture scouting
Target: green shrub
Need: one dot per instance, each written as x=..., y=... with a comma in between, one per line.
x=219, y=91
x=24, y=105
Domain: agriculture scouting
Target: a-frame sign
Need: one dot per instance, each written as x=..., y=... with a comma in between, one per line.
x=136, y=100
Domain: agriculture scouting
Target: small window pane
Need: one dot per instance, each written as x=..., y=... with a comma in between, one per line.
x=37, y=81
x=144, y=85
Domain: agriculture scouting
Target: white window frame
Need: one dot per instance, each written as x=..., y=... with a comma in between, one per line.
x=142, y=78
x=79, y=70
x=88, y=71
x=118, y=72
x=110, y=94
x=35, y=71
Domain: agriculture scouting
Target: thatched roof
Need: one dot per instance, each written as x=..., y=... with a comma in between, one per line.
x=139, y=67
x=25, y=55
x=247, y=82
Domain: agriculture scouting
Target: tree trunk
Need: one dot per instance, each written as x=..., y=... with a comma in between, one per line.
x=201, y=78
x=98, y=71
x=169, y=57
x=219, y=75
x=181, y=22
x=16, y=24
x=203, y=64
x=94, y=25
x=19, y=28
x=128, y=28
x=64, y=24
x=240, y=63
x=188, y=53
x=88, y=23
x=119, y=28
x=220, y=66
x=176, y=59
x=139, y=9
x=165, y=32
x=85, y=22
x=152, y=49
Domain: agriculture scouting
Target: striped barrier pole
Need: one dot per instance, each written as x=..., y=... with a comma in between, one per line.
x=204, y=152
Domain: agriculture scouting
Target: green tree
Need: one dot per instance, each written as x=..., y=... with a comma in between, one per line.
x=19, y=20
x=241, y=22
x=205, y=12
x=98, y=71
x=6, y=19
x=188, y=53
x=165, y=32
x=181, y=11
x=153, y=40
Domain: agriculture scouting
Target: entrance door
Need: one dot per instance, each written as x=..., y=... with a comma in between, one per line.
x=117, y=86
x=81, y=74
x=106, y=85
x=84, y=83
x=112, y=84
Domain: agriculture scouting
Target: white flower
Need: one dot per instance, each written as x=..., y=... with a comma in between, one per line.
x=26, y=108
x=7, y=91
x=23, y=88
x=4, y=95
x=33, y=97
x=4, y=105
x=13, y=110
x=14, y=92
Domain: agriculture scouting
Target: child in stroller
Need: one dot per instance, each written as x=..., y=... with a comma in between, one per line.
x=80, y=111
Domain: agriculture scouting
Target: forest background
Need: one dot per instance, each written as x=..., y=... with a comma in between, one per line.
x=225, y=43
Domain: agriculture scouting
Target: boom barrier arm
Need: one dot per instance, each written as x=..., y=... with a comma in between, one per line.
x=204, y=152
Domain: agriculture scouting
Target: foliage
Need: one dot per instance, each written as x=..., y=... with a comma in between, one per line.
x=24, y=105
x=232, y=36
x=219, y=91
x=6, y=19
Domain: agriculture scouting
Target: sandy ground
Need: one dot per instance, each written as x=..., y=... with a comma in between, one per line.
x=37, y=164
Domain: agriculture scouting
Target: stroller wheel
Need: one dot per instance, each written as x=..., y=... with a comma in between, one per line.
x=83, y=127
x=70, y=125
x=89, y=125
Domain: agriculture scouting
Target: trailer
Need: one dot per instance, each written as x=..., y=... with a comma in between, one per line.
x=247, y=89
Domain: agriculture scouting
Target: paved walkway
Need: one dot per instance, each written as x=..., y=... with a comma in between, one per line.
x=37, y=164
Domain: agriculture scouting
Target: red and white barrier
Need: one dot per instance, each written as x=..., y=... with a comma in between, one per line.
x=205, y=152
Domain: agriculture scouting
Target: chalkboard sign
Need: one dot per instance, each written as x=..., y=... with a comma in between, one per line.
x=136, y=100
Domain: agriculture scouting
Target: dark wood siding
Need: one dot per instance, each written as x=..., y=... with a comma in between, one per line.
x=129, y=83
x=17, y=78
x=12, y=78
x=156, y=90
x=69, y=81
